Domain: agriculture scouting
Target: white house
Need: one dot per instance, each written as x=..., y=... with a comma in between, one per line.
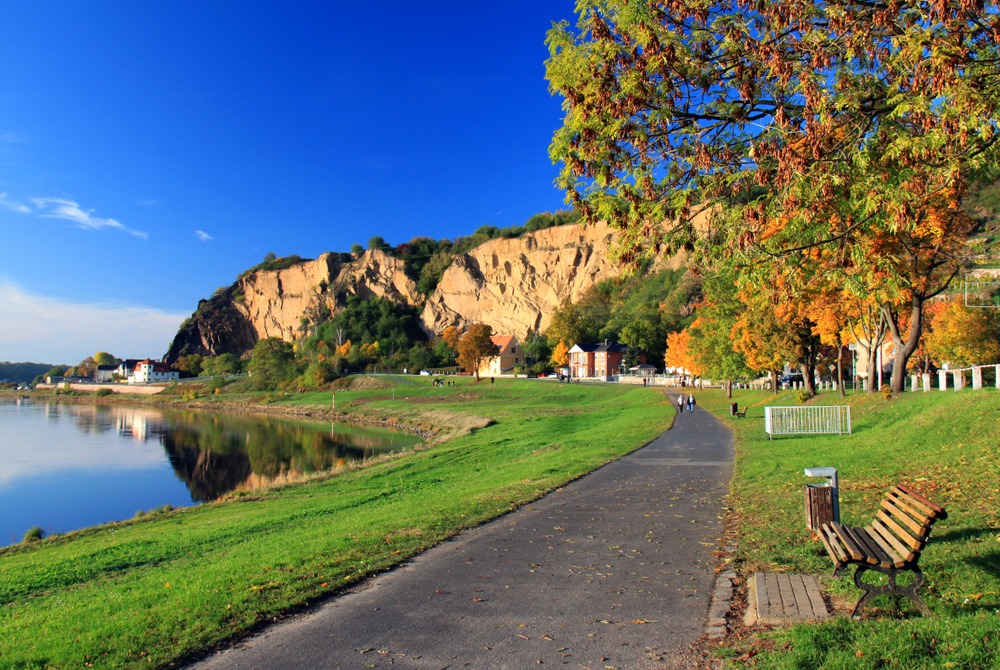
x=152, y=371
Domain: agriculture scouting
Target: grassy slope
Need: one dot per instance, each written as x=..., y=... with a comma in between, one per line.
x=944, y=445
x=150, y=591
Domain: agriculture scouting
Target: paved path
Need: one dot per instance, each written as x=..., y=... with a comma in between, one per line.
x=612, y=571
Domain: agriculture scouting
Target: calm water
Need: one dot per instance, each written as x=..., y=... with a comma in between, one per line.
x=68, y=466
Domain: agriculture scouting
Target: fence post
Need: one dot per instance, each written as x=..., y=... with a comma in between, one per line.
x=959, y=380
x=943, y=380
x=977, y=378
x=927, y=382
x=913, y=382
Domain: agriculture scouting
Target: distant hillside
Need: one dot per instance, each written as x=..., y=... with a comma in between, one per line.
x=22, y=372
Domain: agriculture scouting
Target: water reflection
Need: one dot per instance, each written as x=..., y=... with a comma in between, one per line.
x=119, y=459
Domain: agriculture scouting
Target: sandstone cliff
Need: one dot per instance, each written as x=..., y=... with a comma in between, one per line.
x=513, y=285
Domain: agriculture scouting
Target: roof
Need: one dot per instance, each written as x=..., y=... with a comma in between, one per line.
x=503, y=341
x=610, y=347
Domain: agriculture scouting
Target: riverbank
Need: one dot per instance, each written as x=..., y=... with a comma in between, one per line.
x=151, y=591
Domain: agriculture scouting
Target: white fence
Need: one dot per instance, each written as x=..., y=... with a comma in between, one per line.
x=812, y=420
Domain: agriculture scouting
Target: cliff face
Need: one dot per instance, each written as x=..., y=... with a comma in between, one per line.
x=512, y=285
x=515, y=285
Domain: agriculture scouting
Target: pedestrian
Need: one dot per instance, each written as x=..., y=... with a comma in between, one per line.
x=690, y=402
x=680, y=403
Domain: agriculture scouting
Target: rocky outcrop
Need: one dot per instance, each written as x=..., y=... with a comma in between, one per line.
x=513, y=285
x=284, y=303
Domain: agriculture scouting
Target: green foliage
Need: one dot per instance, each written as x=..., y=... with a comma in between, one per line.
x=366, y=321
x=34, y=534
x=638, y=311
x=23, y=372
x=190, y=365
x=805, y=396
x=103, y=392
x=711, y=341
x=271, y=263
x=223, y=364
x=378, y=243
x=357, y=248
x=273, y=362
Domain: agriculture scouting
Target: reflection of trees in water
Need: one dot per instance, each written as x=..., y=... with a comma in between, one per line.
x=214, y=454
x=208, y=474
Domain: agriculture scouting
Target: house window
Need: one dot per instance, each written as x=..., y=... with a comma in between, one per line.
x=513, y=350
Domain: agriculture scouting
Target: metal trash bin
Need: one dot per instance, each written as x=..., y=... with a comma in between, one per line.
x=822, y=501
x=733, y=409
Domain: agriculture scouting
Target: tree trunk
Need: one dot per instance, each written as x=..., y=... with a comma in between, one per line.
x=774, y=381
x=903, y=350
x=729, y=388
x=840, y=371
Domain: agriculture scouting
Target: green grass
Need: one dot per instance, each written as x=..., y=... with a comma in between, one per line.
x=944, y=445
x=152, y=590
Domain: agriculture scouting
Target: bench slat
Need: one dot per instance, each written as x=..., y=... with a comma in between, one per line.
x=894, y=545
x=847, y=542
x=872, y=533
x=837, y=552
x=902, y=514
x=887, y=521
x=859, y=542
x=936, y=511
x=886, y=559
x=910, y=507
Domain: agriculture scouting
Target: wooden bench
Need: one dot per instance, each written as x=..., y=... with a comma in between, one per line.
x=890, y=545
x=743, y=414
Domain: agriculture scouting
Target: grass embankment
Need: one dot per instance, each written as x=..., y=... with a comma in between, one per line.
x=942, y=444
x=151, y=591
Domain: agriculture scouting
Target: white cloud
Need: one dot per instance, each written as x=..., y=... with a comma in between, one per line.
x=49, y=330
x=202, y=235
x=13, y=205
x=59, y=208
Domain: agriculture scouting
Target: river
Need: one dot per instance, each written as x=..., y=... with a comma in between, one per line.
x=65, y=466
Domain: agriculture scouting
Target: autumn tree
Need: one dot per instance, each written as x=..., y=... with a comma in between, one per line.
x=104, y=358
x=852, y=128
x=560, y=355
x=964, y=336
x=679, y=354
x=476, y=348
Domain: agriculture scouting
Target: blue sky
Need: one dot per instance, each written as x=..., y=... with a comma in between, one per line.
x=150, y=152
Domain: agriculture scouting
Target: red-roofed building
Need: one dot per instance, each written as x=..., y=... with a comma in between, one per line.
x=151, y=371
x=510, y=355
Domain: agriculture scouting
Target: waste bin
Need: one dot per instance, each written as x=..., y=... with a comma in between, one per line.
x=822, y=501
x=733, y=409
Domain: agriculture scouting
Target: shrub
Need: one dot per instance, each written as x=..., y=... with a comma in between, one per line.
x=886, y=391
x=34, y=534
x=804, y=396
x=101, y=393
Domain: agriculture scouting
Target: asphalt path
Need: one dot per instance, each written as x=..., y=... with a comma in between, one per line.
x=615, y=570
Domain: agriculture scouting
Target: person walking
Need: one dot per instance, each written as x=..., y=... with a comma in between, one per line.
x=680, y=403
x=690, y=402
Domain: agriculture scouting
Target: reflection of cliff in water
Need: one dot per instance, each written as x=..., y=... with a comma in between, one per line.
x=208, y=474
x=215, y=454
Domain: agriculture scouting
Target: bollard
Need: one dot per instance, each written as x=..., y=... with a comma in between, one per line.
x=943, y=380
x=927, y=382
x=977, y=378
x=959, y=380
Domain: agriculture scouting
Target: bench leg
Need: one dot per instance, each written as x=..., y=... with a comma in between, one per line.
x=872, y=590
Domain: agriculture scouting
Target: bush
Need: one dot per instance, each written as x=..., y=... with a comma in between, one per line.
x=804, y=396
x=34, y=534
x=102, y=392
x=886, y=391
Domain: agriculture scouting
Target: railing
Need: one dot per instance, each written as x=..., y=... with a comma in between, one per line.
x=809, y=420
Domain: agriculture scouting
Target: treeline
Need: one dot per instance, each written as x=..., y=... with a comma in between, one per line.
x=19, y=373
